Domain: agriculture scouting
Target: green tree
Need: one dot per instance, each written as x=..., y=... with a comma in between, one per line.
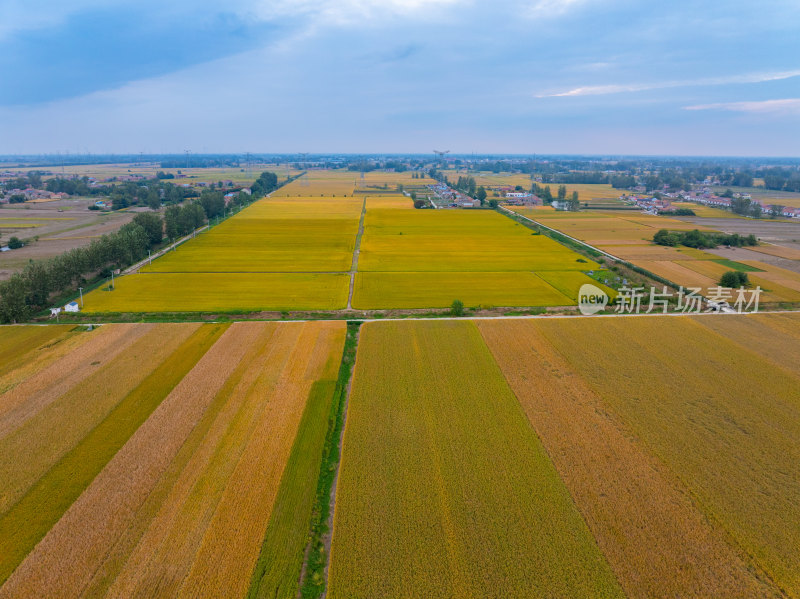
x=481, y=194
x=574, y=202
x=13, y=307
x=734, y=279
x=776, y=211
x=664, y=237
x=15, y=243
x=457, y=308
x=562, y=192
x=152, y=224
x=37, y=283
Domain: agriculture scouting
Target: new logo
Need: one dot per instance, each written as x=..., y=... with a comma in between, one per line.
x=591, y=299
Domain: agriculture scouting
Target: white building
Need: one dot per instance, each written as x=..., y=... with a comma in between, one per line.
x=72, y=307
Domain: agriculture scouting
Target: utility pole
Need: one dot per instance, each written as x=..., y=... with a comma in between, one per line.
x=112, y=279
x=81, y=291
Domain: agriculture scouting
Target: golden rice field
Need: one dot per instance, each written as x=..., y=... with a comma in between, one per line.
x=428, y=258
x=653, y=535
x=723, y=416
x=321, y=183
x=408, y=240
x=444, y=489
x=777, y=250
x=278, y=254
x=295, y=251
x=706, y=211
x=438, y=289
x=150, y=460
x=674, y=439
x=274, y=235
x=220, y=292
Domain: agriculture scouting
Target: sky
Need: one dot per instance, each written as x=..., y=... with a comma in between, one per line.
x=609, y=77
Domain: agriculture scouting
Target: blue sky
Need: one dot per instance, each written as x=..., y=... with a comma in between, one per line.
x=720, y=77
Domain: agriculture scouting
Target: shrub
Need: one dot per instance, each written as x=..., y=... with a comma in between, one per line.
x=734, y=279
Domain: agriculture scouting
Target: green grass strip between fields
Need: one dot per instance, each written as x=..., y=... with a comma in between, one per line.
x=732, y=264
x=314, y=580
x=277, y=571
x=26, y=523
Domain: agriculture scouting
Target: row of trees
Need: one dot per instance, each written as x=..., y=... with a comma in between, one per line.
x=546, y=195
x=30, y=290
x=701, y=240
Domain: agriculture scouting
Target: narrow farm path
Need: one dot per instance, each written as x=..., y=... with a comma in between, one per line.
x=356, y=250
x=135, y=267
x=327, y=539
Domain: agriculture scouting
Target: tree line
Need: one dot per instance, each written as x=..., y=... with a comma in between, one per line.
x=700, y=240
x=31, y=290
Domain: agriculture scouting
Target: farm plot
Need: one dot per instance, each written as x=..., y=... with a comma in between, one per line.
x=427, y=258
x=184, y=505
x=301, y=235
x=403, y=290
x=782, y=330
x=656, y=540
x=408, y=240
x=67, y=430
x=723, y=418
x=278, y=254
x=444, y=490
x=321, y=183
x=223, y=292
x=17, y=342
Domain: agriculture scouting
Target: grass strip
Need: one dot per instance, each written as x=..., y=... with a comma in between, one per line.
x=732, y=264
x=277, y=571
x=24, y=525
x=313, y=582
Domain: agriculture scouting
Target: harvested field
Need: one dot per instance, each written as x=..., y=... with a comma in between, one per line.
x=60, y=226
x=777, y=250
x=678, y=273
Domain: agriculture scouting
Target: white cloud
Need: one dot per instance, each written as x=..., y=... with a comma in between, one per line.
x=30, y=15
x=600, y=90
x=784, y=106
x=339, y=11
x=552, y=8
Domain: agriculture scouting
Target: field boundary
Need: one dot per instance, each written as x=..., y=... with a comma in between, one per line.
x=356, y=251
x=314, y=572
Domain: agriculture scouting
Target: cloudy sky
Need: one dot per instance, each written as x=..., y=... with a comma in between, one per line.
x=718, y=77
